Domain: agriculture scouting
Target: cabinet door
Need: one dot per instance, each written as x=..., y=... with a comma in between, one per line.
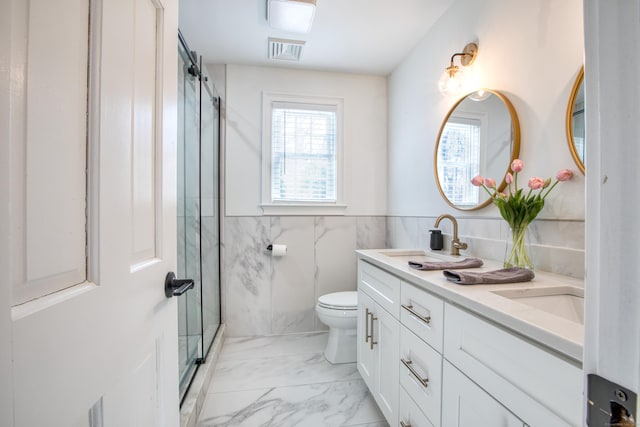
x=544, y=390
x=409, y=412
x=365, y=353
x=464, y=404
x=386, y=335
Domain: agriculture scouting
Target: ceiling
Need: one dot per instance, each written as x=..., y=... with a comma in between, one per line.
x=355, y=36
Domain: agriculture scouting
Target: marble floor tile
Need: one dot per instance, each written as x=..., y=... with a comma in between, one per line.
x=342, y=403
x=278, y=371
x=281, y=381
x=242, y=348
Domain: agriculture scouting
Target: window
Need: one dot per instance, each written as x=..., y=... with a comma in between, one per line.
x=459, y=160
x=302, y=155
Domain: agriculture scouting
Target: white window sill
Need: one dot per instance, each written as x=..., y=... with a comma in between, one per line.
x=303, y=209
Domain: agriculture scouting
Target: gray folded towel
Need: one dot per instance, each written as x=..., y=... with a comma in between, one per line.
x=443, y=265
x=506, y=275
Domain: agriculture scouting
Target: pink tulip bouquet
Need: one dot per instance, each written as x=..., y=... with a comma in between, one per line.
x=520, y=207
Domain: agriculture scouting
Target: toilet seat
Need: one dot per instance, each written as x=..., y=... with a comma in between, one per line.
x=339, y=301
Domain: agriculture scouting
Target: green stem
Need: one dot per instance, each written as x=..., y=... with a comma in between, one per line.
x=487, y=190
x=550, y=188
x=518, y=256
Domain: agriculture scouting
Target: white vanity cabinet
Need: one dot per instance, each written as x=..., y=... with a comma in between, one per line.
x=378, y=337
x=538, y=386
x=402, y=371
x=430, y=362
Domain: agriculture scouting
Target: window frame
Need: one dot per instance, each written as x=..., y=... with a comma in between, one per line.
x=281, y=207
x=464, y=117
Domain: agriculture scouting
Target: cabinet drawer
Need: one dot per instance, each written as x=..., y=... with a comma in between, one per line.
x=423, y=314
x=410, y=413
x=539, y=387
x=464, y=404
x=421, y=373
x=383, y=287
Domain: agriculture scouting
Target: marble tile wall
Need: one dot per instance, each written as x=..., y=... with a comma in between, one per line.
x=269, y=296
x=266, y=296
x=555, y=245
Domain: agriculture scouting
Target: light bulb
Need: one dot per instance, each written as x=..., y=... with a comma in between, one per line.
x=479, y=95
x=453, y=85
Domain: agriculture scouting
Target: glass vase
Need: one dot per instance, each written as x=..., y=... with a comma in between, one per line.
x=516, y=253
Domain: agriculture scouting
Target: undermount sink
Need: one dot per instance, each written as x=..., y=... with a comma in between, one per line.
x=419, y=255
x=563, y=301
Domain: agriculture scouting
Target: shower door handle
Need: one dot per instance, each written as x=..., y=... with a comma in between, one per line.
x=176, y=287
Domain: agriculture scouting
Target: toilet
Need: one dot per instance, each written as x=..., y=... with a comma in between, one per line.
x=339, y=311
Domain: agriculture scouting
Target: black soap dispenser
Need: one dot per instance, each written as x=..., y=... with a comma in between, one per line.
x=436, y=240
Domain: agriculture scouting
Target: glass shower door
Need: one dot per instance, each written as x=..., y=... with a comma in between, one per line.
x=188, y=225
x=210, y=220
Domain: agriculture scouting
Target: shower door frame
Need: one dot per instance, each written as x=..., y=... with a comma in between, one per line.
x=204, y=348
x=217, y=105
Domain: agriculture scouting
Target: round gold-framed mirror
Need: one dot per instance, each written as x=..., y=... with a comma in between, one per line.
x=575, y=124
x=479, y=136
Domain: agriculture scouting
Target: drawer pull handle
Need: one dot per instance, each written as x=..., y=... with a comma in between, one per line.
x=403, y=424
x=366, y=325
x=425, y=319
x=371, y=327
x=409, y=365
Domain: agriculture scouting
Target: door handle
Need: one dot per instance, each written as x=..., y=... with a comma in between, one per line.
x=176, y=287
x=410, y=309
x=409, y=365
x=373, y=318
x=366, y=325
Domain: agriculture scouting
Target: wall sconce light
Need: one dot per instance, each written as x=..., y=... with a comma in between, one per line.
x=293, y=16
x=454, y=78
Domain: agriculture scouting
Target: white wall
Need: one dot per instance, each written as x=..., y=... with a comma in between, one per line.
x=365, y=133
x=264, y=295
x=531, y=52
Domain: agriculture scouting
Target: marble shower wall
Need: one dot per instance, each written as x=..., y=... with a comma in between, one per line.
x=555, y=245
x=268, y=296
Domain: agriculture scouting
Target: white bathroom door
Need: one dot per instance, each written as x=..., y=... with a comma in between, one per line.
x=89, y=213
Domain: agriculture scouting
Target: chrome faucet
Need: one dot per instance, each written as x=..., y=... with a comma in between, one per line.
x=456, y=245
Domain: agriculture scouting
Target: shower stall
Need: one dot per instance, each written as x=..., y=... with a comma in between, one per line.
x=198, y=225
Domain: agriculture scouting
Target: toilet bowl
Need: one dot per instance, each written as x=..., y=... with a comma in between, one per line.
x=339, y=311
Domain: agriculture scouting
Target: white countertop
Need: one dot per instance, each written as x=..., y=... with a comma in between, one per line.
x=557, y=333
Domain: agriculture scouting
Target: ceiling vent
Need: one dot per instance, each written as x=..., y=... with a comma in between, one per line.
x=285, y=50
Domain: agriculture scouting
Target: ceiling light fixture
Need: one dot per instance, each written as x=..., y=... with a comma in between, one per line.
x=294, y=16
x=454, y=79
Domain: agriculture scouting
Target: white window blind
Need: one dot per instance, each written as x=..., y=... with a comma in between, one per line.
x=459, y=160
x=304, y=161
